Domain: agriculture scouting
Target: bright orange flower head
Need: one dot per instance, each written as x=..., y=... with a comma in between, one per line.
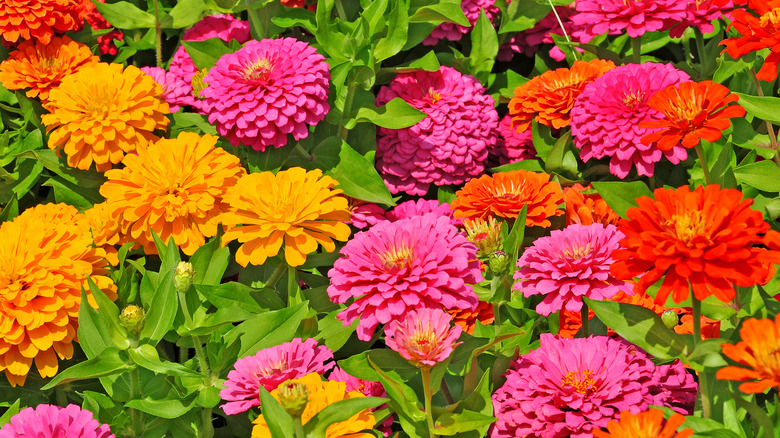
x=504, y=194
x=37, y=19
x=757, y=33
x=551, y=95
x=102, y=112
x=105, y=230
x=46, y=255
x=298, y=208
x=41, y=67
x=707, y=240
x=467, y=318
x=648, y=424
x=587, y=208
x=693, y=111
x=759, y=350
x=175, y=188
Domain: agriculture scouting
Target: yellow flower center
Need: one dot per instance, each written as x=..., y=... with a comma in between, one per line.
x=423, y=339
x=198, y=83
x=509, y=191
x=49, y=63
x=397, y=257
x=577, y=252
x=688, y=225
x=259, y=69
x=632, y=99
x=433, y=95
x=100, y=103
x=771, y=19
x=274, y=368
x=582, y=381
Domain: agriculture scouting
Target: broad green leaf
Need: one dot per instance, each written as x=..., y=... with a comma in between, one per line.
x=268, y=329
x=168, y=408
x=531, y=165
x=206, y=53
x=542, y=139
x=291, y=17
x=358, y=366
x=209, y=262
x=763, y=175
x=213, y=321
x=147, y=357
x=454, y=424
x=706, y=356
x=397, y=32
x=125, y=15
x=234, y=294
x=440, y=13
x=396, y=114
x=403, y=400
x=107, y=363
x=358, y=177
x=515, y=238
x=110, y=313
x=621, y=196
x=162, y=310
x=765, y=108
x=484, y=47
x=337, y=412
x=332, y=332
x=279, y=422
x=186, y=13
x=12, y=410
x=93, y=330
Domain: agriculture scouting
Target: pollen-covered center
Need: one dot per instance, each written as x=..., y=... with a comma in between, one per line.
x=686, y=226
x=50, y=63
x=274, y=368
x=433, y=95
x=98, y=102
x=423, y=338
x=577, y=252
x=771, y=19
x=508, y=190
x=582, y=382
x=397, y=257
x=633, y=99
x=260, y=69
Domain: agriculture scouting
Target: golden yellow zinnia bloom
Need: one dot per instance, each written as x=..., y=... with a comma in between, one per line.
x=321, y=395
x=173, y=187
x=46, y=255
x=294, y=207
x=102, y=112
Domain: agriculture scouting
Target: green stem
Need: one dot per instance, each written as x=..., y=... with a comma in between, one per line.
x=341, y=11
x=703, y=161
x=703, y=61
x=585, y=330
x=294, y=293
x=345, y=114
x=303, y=153
x=704, y=384
x=200, y=354
x=158, y=31
x=258, y=28
x=135, y=392
x=426, y=378
x=207, y=428
x=277, y=274
x=565, y=34
x=299, y=433
x=497, y=316
x=770, y=130
x=636, y=49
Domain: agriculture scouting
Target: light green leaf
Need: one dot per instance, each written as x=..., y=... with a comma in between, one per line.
x=765, y=108
x=621, y=196
x=107, y=363
x=125, y=15
x=763, y=175
x=358, y=177
x=396, y=114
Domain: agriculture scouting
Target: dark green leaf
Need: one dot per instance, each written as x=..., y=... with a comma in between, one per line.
x=271, y=159
x=621, y=196
x=358, y=365
x=210, y=262
x=532, y=165
x=107, y=363
x=168, y=408
x=10, y=412
x=125, y=15
x=206, y=53
x=403, y=400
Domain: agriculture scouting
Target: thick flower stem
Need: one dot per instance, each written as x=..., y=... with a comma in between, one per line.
x=426, y=379
x=158, y=32
x=704, y=61
x=585, y=331
x=703, y=161
x=256, y=26
x=704, y=384
x=636, y=49
x=200, y=354
x=299, y=433
x=770, y=130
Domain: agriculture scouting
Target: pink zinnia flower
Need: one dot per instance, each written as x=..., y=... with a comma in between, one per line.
x=173, y=92
x=597, y=17
x=448, y=146
x=266, y=90
x=396, y=267
x=700, y=14
x=364, y=214
x=270, y=367
x=49, y=421
x=512, y=145
x=424, y=338
x=570, y=264
x=569, y=387
x=454, y=32
x=675, y=387
x=606, y=116
x=528, y=41
x=420, y=207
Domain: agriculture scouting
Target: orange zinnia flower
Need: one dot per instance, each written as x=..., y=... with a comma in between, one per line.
x=693, y=110
x=551, y=96
x=105, y=230
x=759, y=350
x=298, y=208
x=41, y=67
x=46, y=255
x=37, y=19
x=467, y=318
x=648, y=424
x=102, y=112
x=758, y=33
x=708, y=239
x=175, y=188
x=587, y=208
x=505, y=194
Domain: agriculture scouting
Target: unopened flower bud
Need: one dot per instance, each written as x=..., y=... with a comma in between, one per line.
x=132, y=318
x=498, y=262
x=485, y=234
x=670, y=319
x=293, y=396
x=182, y=276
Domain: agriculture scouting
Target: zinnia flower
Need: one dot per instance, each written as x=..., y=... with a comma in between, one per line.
x=467, y=319
x=172, y=91
x=298, y=208
x=175, y=188
x=49, y=421
x=648, y=424
x=528, y=41
x=266, y=90
x=700, y=14
x=504, y=195
x=37, y=19
x=450, y=144
x=323, y=393
x=693, y=111
x=424, y=338
x=269, y=368
x=550, y=96
x=46, y=255
x=102, y=112
x=587, y=208
x=41, y=67
x=568, y=265
x=758, y=351
x=420, y=207
x=485, y=233
x=454, y=32
x=364, y=214
x=512, y=145
x=597, y=17
x=758, y=33
x=606, y=117
x=396, y=267
x=707, y=240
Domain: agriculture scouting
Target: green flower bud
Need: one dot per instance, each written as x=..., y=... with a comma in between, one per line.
x=182, y=276
x=293, y=396
x=132, y=318
x=670, y=319
x=498, y=261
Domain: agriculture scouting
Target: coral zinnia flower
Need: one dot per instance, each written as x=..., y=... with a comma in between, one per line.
x=424, y=338
x=648, y=424
x=693, y=111
x=758, y=350
x=587, y=208
x=37, y=19
x=551, y=95
x=597, y=17
x=757, y=33
x=41, y=67
x=102, y=112
x=46, y=255
x=323, y=393
x=504, y=195
x=298, y=208
x=708, y=239
x=49, y=421
x=175, y=188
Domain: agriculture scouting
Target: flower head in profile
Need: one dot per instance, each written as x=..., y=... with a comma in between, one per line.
x=757, y=33
x=636, y=17
x=41, y=67
x=396, y=267
x=648, y=424
x=512, y=144
x=424, y=337
x=38, y=20
x=587, y=208
x=50, y=421
x=700, y=14
x=467, y=319
x=269, y=368
x=454, y=32
x=485, y=233
x=294, y=207
x=707, y=240
x=757, y=352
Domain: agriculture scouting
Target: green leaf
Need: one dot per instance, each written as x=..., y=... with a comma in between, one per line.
x=186, y=13
x=707, y=356
x=358, y=365
x=209, y=262
x=125, y=15
x=556, y=162
x=403, y=400
x=332, y=332
x=763, y=175
x=396, y=114
x=213, y=321
x=280, y=423
x=621, y=196
x=358, y=177
x=107, y=363
x=234, y=294
x=542, y=139
x=93, y=329
x=206, y=53
x=271, y=159
x=292, y=17
x=532, y=165
x=453, y=424
x=515, y=238
x=10, y=412
x=484, y=47
x=397, y=32
x=11, y=209
x=110, y=313
x=162, y=310
x=765, y=108
x=268, y=329
x=167, y=408
x=337, y=412
x=440, y=13
x=147, y=357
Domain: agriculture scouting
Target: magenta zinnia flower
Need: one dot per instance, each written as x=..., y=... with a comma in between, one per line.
x=266, y=90
x=528, y=41
x=606, y=116
x=700, y=14
x=448, y=146
x=597, y=17
x=512, y=145
x=270, y=367
x=49, y=421
x=396, y=267
x=420, y=207
x=454, y=32
x=424, y=338
x=173, y=92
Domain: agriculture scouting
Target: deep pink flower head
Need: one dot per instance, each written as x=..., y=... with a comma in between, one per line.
x=512, y=145
x=425, y=337
x=700, y=14
x=570, y=264
x=364, y=214
x=454, y=32
x=568, y=387
x=528, y=41
x=266, y=90
x=396, y=267
x=420, y=207
x=173, y=91
x=270, y=367
x=606, y=116
x=447, y=147
x=49, y=421
x=597, y=17
x=675, y=387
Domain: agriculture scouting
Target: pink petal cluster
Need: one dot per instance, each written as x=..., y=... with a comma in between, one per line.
x=597, y=17
x=173, y=92
x=266, y=90
x=568, y=265
x=511, y=146
x=606, y=116
x=528, y=41
x=420, y=207
x=364, y=214
x=569, y=387
x=425, y=337
x=49, y=421
x=396, y=267
x=270, y=367
x=448, y=146
x=700, y=14
x=454, y=32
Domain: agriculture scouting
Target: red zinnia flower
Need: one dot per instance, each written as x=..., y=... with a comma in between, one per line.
x=758, y=33
x=37, y=19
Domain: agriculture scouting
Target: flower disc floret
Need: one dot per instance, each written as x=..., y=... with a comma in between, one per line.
x=49, y=421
